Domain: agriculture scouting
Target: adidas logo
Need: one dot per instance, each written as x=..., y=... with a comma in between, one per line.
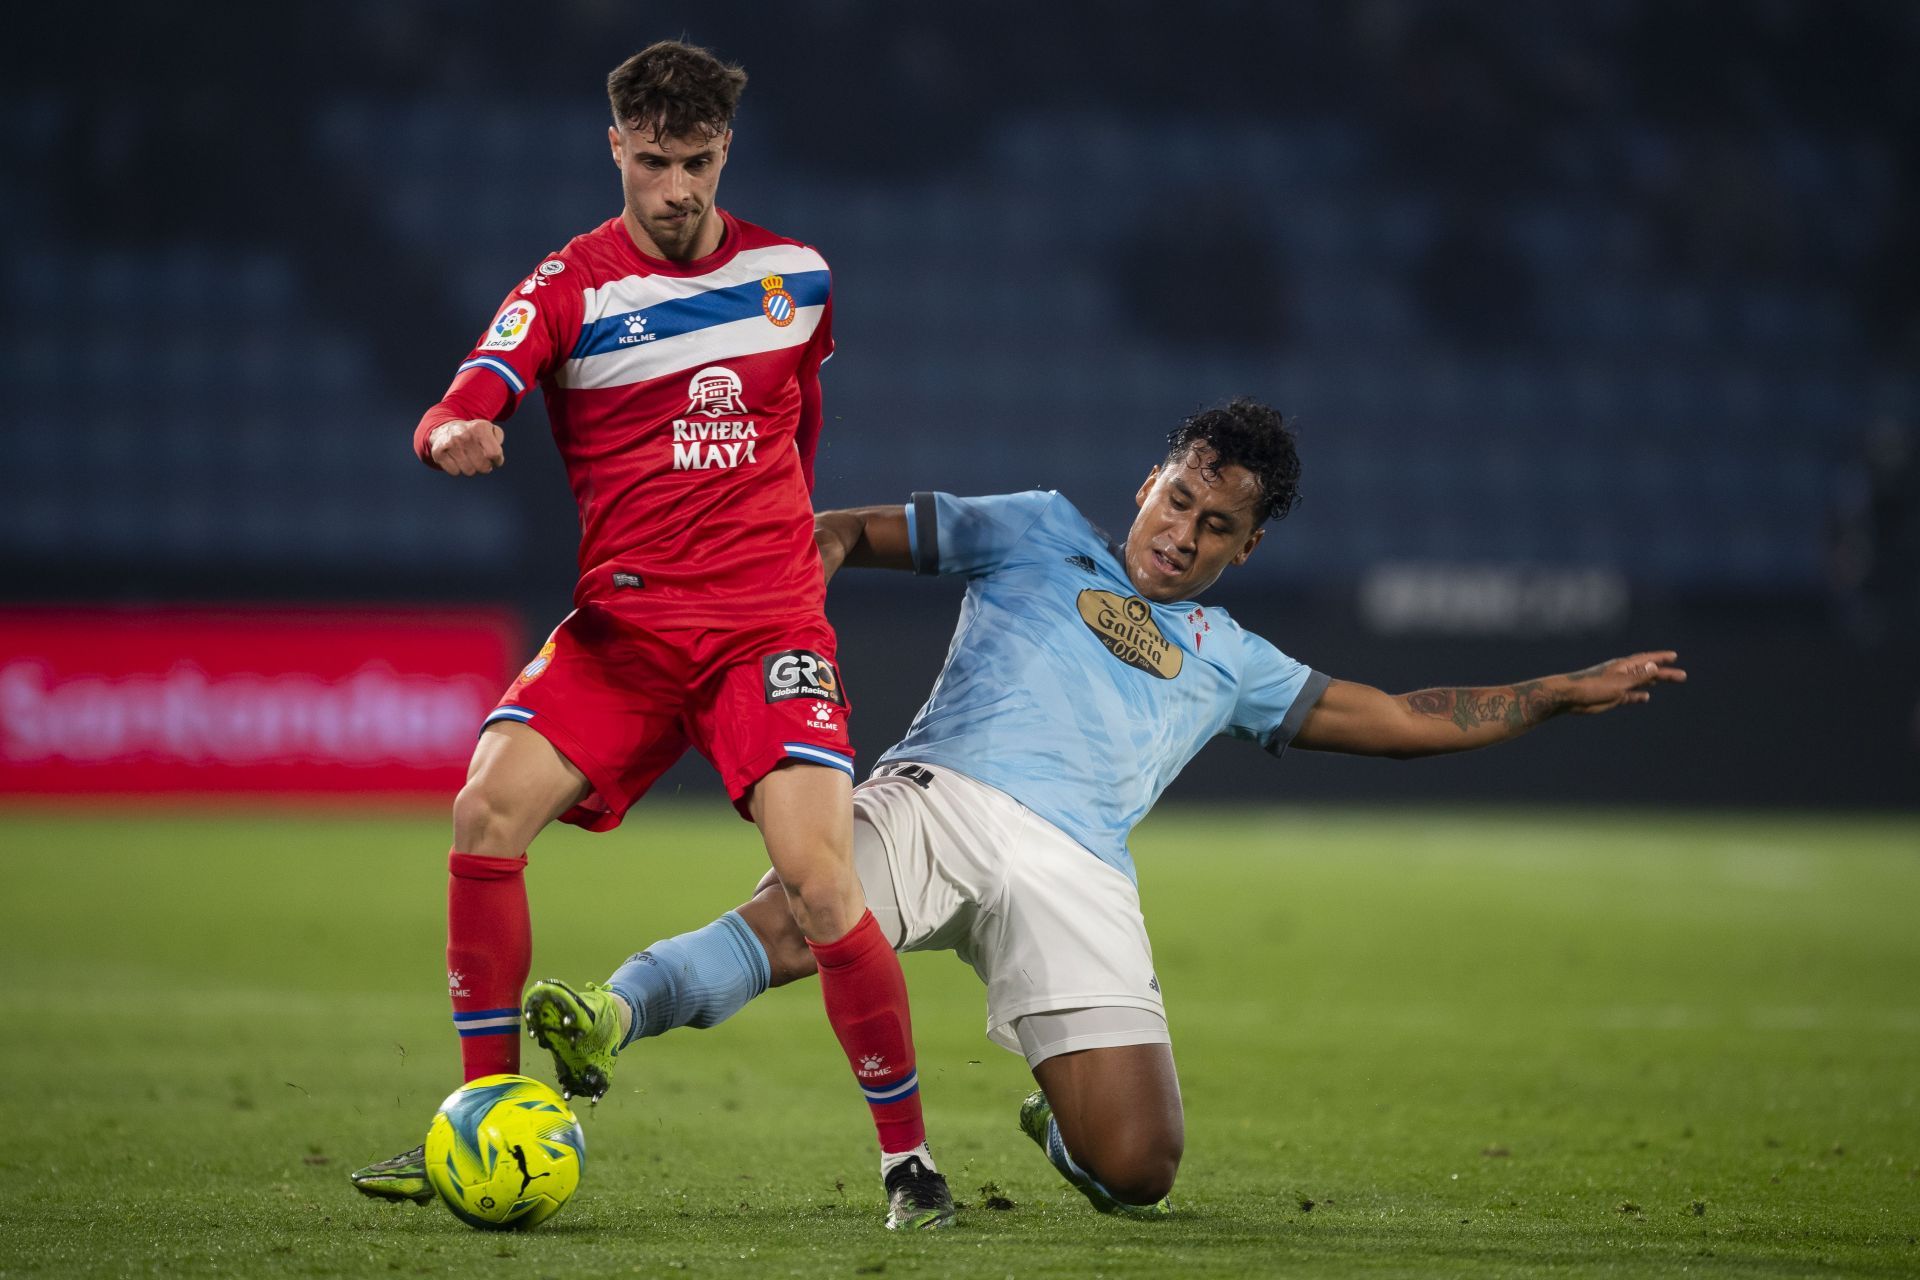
x=1081, y=562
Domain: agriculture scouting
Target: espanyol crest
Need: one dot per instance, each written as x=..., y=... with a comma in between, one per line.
x=778, y=303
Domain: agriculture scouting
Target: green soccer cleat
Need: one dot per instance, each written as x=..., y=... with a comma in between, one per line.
x=917, y=1198
x=582, y=1032
x=1035, y=1112
x=401, y=1177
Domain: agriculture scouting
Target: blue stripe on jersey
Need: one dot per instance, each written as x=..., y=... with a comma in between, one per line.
x=819, y=755
x=702, y=311
x=500, y=367
x=507, y=713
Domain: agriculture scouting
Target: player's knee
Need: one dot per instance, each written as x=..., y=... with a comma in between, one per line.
x=822, y=907
x=485, y=821
x=1142, y=1183
x=1141, y=1169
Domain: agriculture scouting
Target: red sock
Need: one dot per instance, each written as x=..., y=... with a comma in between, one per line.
x=866, y=997
x=489, y=950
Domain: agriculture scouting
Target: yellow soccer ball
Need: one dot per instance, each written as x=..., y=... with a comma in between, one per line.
x=505, y=1153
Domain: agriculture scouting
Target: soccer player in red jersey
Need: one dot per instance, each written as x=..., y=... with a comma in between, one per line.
x=679, y=351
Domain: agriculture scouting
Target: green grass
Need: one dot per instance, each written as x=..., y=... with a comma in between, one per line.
x=1477, y=1043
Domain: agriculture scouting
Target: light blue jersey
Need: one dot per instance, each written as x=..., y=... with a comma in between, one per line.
x=1068, y=691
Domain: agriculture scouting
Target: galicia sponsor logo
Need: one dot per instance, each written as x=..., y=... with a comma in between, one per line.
x=1126, y=626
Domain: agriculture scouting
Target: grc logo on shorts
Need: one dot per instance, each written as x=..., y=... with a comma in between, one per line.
x=801, y=673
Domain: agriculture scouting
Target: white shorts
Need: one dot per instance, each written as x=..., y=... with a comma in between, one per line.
x=950, y=864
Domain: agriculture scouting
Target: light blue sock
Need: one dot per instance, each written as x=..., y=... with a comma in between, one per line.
x=697, y=979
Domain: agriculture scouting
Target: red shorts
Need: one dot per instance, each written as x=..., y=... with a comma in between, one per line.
x=623, y=701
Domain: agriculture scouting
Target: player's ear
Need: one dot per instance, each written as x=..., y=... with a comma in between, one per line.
x=1253, y=540
x=1146, y=487
x=613, y=143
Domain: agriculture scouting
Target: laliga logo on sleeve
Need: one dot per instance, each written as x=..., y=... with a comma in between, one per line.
x=510, y=327
x=778, y=303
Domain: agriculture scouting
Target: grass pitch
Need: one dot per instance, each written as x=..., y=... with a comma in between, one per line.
x=1416, y=1044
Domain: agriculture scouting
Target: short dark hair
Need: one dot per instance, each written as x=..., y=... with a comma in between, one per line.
x=1245, y=433
x=675, y=89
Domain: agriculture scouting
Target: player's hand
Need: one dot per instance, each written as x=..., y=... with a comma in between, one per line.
x=1619, y=682
x=470, y=448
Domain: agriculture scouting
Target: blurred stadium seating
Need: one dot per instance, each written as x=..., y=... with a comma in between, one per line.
x=1620, y=287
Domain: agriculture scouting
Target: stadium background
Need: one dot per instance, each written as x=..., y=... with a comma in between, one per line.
x=1600, y=324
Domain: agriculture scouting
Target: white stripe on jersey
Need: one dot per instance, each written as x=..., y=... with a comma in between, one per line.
x=635, y=293
x=645, y=361
x=711, y=345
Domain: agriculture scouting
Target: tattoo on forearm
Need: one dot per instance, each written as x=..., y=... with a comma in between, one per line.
x=1517, y=706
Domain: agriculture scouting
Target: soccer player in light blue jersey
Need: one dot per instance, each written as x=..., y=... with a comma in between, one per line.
x=1081, y=678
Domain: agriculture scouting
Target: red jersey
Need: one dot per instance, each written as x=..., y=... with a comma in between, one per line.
x=685, y=400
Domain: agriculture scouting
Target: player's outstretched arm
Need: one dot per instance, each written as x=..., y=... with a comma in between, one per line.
x=471, y=447
x=862, y=537
x=1361, y=720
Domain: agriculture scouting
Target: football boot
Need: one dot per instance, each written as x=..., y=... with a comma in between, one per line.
x=401, y=1177
x=917, y=1197
x=580, y=1029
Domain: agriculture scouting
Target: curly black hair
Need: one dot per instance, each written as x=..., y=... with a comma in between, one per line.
x=675, y=89
x=1245, y=433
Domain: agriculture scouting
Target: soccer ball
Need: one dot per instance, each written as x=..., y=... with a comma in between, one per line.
x=504, y=1153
